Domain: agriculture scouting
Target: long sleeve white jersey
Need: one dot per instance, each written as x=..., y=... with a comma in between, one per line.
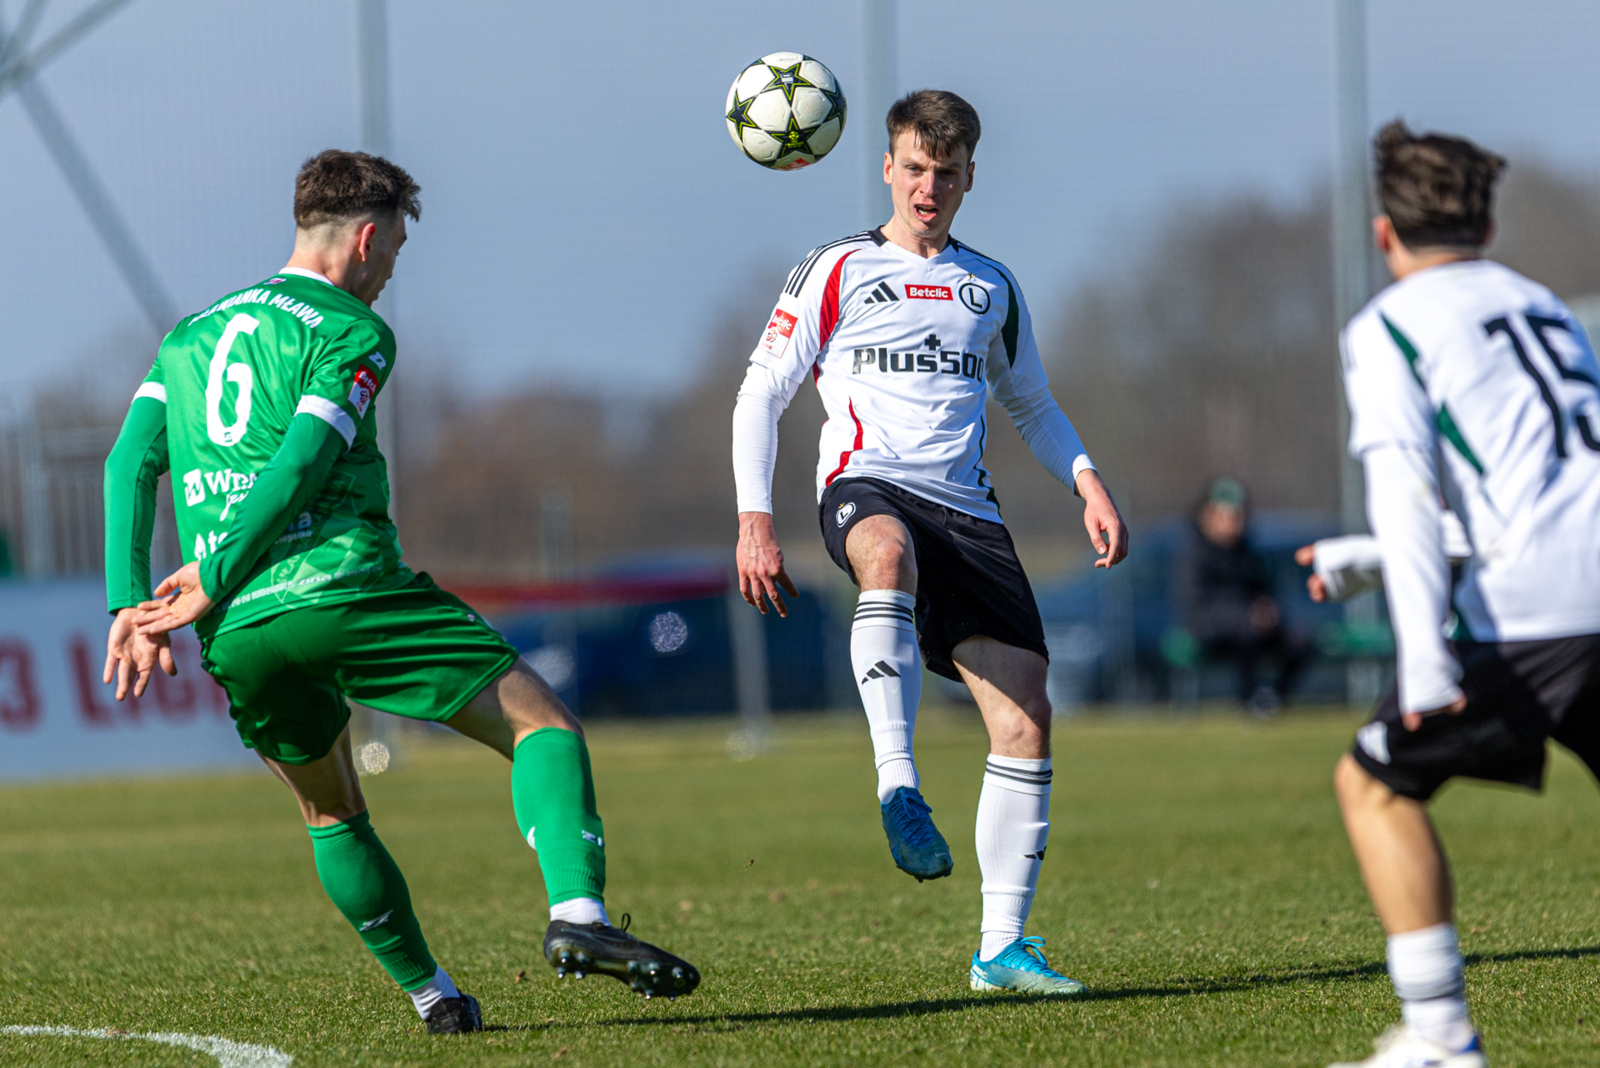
x=1470, y=380
x=904, y=352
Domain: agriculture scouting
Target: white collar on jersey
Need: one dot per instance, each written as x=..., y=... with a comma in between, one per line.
x=303, y=273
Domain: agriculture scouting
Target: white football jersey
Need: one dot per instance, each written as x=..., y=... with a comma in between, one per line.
x=904, y=351
x=1488, y=370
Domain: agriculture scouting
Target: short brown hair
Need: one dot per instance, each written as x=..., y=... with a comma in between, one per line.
x=941, y=121
x=336, y=185
x=1436, y=189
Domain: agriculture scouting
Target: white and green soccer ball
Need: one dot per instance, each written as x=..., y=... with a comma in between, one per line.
x=785, y=111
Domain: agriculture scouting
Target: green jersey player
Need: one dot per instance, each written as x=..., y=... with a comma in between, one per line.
x=261, y=406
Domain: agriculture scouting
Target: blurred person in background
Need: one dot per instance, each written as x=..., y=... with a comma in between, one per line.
x=1224, y=593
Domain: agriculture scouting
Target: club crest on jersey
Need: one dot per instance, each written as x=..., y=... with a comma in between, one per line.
x=975, y=297
x=363, y=390
x=779, y=329
x=928, y=292
x=846, y=510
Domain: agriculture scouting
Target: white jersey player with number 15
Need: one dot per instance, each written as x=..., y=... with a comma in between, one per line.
x=1471, y=385
x=907, y=333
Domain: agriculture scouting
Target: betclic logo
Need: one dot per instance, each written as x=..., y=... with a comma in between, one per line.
x=928, y=292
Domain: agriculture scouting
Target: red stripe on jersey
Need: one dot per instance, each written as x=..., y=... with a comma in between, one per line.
x=844, y=457
x=828, y=318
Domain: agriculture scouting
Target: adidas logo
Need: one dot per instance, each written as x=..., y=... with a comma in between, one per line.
x=1033, y=856
x=878, y=671
x=379, y=922
x=881, y=294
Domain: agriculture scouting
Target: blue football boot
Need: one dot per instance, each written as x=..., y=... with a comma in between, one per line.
x=915, y=843
x=1021, y=967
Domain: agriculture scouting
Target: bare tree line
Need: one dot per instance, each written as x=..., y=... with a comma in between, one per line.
x=1210, y=348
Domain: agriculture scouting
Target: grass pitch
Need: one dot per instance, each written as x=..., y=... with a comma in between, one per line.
x=1198, y=881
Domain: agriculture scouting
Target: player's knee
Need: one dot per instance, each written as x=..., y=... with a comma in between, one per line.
x=889, y=563
x=1036, y=707
x=1023, y=728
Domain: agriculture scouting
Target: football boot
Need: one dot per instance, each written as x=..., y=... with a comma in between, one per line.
x=455, y=1016
x=577, y=949
x=1021, y=967
x=1401, y=1047
x=915, y=843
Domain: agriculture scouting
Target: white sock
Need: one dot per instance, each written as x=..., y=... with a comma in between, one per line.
x=580, y=910
x=888, y=666
x=432, y=992
x=1013, y=827
x=1430, y=979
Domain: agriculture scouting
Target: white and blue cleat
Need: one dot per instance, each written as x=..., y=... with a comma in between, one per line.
x=915, y=843
x=1401, y=1047
x=1021, y=967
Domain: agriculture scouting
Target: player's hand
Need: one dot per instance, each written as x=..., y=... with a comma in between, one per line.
x=1107, y=533
x=131, y=657
x=1412, y=720
x=760, y=563
x=179, y=601
x=1306, y=556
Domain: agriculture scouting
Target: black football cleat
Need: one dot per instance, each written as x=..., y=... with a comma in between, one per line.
x=577, y=949
x=455, y=1016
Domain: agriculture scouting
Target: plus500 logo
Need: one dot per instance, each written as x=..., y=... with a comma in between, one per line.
x=944, y=362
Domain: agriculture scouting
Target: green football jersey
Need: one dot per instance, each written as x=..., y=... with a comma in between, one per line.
x=233, y=377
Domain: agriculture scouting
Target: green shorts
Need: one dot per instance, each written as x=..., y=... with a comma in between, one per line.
x=415, y=651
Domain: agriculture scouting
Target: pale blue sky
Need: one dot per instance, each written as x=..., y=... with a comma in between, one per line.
x=586, y=218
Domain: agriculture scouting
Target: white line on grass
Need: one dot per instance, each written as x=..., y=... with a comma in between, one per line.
x=229, y=1054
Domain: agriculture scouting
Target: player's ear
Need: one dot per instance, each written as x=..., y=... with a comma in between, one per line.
x=364, y=239
x=970, y=168
x=1383, y=233
x=888, y=168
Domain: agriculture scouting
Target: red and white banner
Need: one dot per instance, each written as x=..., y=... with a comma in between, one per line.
x=58, y=719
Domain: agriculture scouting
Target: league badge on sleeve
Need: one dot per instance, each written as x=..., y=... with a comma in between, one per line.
x=779, y=329
x=363, y=390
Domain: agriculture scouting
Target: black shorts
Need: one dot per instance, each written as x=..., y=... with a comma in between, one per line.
x=969, y=581
x=1518, y=694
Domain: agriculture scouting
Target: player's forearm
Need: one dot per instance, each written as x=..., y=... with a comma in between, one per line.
x=762, y=399
x=1349, y=565
x=281, y=492
x=1402, y=496
x=1050, y=436
x=131, y=472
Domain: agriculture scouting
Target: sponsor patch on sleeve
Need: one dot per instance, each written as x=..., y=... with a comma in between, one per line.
x=779, y=329
x=363, y=390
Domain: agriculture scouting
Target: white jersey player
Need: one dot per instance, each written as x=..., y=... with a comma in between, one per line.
x=1472, y=384
x=906, y=334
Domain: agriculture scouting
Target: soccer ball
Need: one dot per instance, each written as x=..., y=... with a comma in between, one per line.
x=785, y=111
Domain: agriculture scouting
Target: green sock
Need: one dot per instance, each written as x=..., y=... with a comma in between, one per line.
x=552, y=792
x=366, y=885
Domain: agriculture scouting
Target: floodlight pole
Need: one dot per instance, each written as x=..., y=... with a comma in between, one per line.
x=17, y=67
x=880, y=76
x=373, y=42
x=1352, y=215
x=95, y=199
x=372, y=63
x=1352, y=284
x=372, y=60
